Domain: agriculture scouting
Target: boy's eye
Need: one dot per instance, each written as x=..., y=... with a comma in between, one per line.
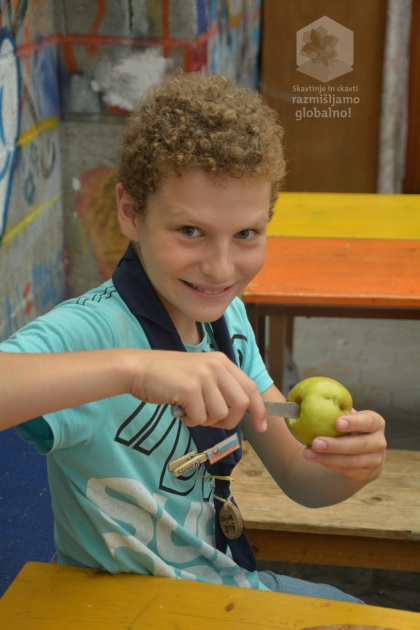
x=189, y=230
x=244, y=234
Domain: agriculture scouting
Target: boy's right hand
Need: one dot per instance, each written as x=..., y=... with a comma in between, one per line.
x=211, y=389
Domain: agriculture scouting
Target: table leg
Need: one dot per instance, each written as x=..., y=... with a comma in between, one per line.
x=257, y=322
x=290, y=331
x=280, y=337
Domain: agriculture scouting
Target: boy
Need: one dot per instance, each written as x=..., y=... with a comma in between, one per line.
x=91, y=383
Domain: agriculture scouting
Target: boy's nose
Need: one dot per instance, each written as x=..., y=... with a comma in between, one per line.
x=218, y=265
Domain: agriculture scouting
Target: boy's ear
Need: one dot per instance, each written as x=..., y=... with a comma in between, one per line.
x=126, y=213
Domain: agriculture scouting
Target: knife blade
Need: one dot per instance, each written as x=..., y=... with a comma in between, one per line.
x=283, y=409
x=280, y=409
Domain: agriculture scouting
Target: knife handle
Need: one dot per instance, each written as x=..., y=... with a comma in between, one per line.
x=177, y=411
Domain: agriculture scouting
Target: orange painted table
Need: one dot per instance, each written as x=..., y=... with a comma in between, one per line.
x=336, y=255
x=48, y=596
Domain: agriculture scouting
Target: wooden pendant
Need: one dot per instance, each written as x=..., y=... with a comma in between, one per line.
x=231, y=521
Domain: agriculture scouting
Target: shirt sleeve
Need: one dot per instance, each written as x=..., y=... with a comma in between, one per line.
x=67, y=328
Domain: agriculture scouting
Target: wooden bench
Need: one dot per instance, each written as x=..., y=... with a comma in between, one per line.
x=48, y=596
x=378, y=528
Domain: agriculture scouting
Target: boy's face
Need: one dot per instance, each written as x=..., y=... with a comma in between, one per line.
x=201, y=242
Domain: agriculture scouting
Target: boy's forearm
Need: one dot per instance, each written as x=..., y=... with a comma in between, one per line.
x=306, y=484
x=32, y=385
x=210, y=387
x=317, y=486
x=329, y=472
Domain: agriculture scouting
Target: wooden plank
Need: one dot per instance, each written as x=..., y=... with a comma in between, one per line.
x=387, y=509
x=52, y=596
x=326, y=154
x=412, y=170
x=341, y=215
x=328, y=549
x=340, y=272
x=378, y=528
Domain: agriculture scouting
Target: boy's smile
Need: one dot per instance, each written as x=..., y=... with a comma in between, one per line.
x=201, y=242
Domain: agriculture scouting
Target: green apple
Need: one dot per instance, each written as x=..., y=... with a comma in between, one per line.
x=322, y=400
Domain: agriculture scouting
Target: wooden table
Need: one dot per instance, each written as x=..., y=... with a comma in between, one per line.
x=378, y=528
x=45, y=596
x=336, y=255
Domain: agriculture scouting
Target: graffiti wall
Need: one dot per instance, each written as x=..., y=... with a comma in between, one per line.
x=31, y=236
x=109, y=54
x=70, y=71
x=112, y=51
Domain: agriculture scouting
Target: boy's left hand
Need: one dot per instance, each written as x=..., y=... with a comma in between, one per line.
x=359, y=454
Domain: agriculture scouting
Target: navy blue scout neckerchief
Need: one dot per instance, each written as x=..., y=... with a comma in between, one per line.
x=135, y=288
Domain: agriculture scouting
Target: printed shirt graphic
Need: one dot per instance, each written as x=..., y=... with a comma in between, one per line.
x=116, y=505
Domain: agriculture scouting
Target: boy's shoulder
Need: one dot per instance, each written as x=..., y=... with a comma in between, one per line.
x=101, y=302
x=105, y=295
x=97, y=319
x=99, y=308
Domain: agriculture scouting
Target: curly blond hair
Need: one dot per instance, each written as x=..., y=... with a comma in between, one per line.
x=197, y=121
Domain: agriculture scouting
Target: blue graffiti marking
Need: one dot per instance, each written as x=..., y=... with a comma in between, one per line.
x=46, y=89
x=9, y=120
x=2, y=138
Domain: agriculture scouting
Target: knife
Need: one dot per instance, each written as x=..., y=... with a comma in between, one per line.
x=191, y=460
x=283, y=409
